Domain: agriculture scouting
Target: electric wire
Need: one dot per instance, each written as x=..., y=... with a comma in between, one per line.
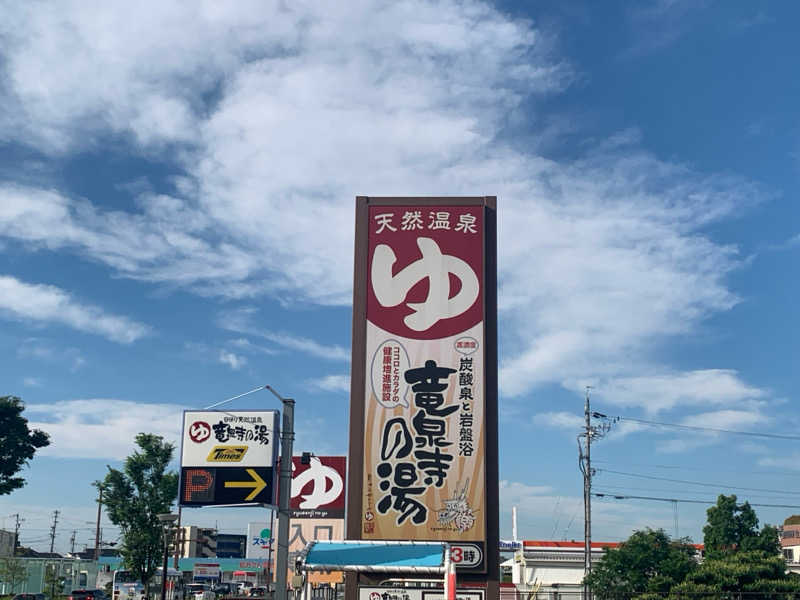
x=700, y=483
x=634, y=489
x=703, y=469
x=685, y=500
x=712, y=429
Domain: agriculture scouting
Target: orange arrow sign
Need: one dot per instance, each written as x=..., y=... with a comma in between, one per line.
x=257, y=484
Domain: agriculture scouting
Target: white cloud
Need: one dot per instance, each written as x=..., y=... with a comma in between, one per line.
x=728, y=419
x=560, y=420
x=601, y=257
x=332, y=383
x=750, y=420
x=544, y=515
x=49, y=304
x=790, y=461
x=241, y=321
x=32, y=382
x=234, y=361
x=111, y=425
x=700, y=388
x=247, y=346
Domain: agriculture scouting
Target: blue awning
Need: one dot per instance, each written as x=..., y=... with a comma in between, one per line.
x=376, y=557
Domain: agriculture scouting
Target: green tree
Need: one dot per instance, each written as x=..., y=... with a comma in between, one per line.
x=745, y=573
x=17, y=441
x=135, y=496
x=733, y=527
x=13, y=572
x=53, y=581
x=647, y=562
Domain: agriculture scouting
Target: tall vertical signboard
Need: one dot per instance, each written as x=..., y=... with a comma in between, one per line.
x=423, y=421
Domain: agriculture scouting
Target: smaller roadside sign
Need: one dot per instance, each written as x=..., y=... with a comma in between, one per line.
x=205, y=571
x=318, y=488
x=410, y=593
x=229, y=457
x=242, y=438
x=227, y=485
x=510, y=545
x=466, y=556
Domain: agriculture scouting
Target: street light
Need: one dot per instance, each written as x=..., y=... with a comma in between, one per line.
x=166, y=520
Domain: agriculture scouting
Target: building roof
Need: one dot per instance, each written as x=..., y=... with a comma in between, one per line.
x=578, y=546
x=563, y=544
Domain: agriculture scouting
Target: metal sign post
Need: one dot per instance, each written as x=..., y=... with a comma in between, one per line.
x=284, y=496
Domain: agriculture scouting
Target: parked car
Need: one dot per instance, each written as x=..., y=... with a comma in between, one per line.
x=257, y=592
x=198, y=591
x=222, y=589
x=88, y=595
x=29, y=597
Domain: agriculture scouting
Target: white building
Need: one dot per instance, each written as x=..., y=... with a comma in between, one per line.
x=6, y=543
x=197, y=542
x=552, y=567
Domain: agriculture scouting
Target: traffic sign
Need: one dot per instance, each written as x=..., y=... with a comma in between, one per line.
x=210, y=486
x=229, y=457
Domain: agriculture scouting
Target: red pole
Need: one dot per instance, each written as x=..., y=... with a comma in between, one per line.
x=451, y=580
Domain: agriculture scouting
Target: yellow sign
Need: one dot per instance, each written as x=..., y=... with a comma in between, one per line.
x=257, y=484
x=226, y=454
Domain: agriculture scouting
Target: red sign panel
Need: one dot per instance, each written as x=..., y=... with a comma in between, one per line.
x=425, y=269
x=424, y=402
x=318, y=488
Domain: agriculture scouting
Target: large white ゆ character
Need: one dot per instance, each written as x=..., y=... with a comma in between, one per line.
x=320, y=474
x=436, y=267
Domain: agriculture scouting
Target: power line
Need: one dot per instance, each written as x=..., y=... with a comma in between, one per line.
x=626, y=497
x=704, y=484
x=713, y=429
x=703, y=469
x=627, y=488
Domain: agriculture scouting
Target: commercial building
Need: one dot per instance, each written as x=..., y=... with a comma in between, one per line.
x=231, y=545
x=197, y=542
x=6, y=543
x=789, y=535
x=555, y=569
x=74, y=573
x=552, y=566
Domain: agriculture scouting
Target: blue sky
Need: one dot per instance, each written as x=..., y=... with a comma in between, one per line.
x=177, y=188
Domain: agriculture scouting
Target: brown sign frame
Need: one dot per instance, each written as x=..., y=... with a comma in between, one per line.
x=355, y=467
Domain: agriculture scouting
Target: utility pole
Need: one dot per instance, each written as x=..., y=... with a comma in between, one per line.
x=284, y=492
x=179, y=535
x=53, y=531
x=589, y=433
x=585, y=462
x=72, y=542
x=97, y=530
x=17, y=522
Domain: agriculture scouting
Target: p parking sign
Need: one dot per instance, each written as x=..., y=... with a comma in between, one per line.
x=229, y=458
